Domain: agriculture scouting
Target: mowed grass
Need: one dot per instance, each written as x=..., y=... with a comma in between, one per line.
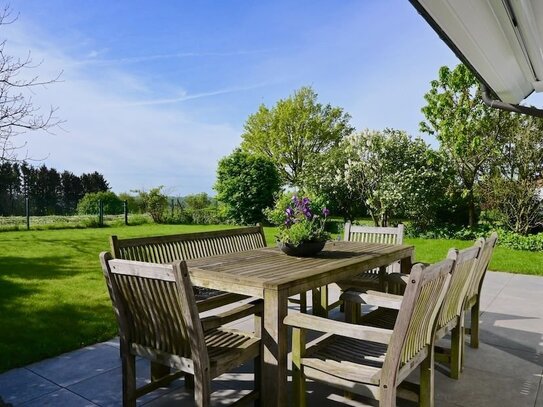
x=53, y=297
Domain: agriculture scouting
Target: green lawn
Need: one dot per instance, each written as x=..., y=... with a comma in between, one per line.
x=53, y=298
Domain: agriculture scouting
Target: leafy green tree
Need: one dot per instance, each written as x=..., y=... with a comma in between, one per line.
x=469, y=132
x=154, y=202
x=71, y=192
x=246, y=185
x=513, y=188
x=326, y=180
x=135, y=204
x=393, y=174
x=295, y=132
x=94, y=182
x=90, y=203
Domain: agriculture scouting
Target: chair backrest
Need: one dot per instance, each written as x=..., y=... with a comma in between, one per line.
x=461, y=273
x=415, y=324
x=155, y=307
x=487, y=248
x=187, y=246
x=373, y=234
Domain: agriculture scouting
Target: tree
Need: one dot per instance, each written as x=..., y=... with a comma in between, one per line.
x=326, y=180
x=18, y=114
x=393, y=175
x=246, y=185
x=295, y=132
x=71, y=192
x=470, y=132
x=513, y=189
x=94, y=182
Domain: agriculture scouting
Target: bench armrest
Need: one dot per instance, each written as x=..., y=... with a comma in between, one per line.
x=314, y=323
x=214, y=321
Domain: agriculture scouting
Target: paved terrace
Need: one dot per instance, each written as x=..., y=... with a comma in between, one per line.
x=507, y=369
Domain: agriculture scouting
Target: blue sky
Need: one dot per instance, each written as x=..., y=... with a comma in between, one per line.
x=154, y=93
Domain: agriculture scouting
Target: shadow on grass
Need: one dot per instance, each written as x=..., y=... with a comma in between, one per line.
x=32, y=336
x=51, y=267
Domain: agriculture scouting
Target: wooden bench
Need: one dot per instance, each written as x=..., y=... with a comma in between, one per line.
x=188, y=246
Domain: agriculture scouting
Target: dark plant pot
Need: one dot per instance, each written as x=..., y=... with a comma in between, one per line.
x=305, y=249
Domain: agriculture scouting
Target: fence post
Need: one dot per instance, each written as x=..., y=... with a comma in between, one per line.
x=172, y=205
x=101, y=213
x=27, y=211
x=125, y=207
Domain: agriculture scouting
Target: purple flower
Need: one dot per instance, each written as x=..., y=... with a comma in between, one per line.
x=325, y=212
x=289, y=212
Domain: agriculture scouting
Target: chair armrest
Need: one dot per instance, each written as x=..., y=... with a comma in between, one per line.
x=218, y=301
x=314, y=323
x=215, y=321
x=376, y=298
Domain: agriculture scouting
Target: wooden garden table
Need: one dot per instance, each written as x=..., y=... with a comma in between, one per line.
x=270, y=274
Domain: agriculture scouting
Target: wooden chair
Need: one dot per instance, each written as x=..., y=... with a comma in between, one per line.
x=375, y=279
x=472, y=302
x=159, y=320
x=451, y=315
x=374, y=361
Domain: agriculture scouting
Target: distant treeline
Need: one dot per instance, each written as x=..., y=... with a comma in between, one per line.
x=50, y=192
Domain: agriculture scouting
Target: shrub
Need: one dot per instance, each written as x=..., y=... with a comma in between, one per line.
x=90, y=203
x=154, y=203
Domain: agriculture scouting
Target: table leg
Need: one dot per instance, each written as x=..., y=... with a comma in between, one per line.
x=405, y=264
x=275, y=340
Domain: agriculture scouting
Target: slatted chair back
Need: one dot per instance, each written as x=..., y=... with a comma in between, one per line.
x=374, y=234
x=461, y=273
x=155, y=308
x=188, y=246
x=487, y=248
x=415, y=325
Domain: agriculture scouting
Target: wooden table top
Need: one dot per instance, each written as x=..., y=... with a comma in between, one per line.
x=250, y=272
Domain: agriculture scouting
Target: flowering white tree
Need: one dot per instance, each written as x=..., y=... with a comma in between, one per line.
x=394, y=175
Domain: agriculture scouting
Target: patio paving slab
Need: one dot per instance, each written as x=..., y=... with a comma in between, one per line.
x=73, y=367
x=62, y=397
x=20, y=385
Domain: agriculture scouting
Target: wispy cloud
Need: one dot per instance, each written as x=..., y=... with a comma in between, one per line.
x=186, y=97
x=92, y=60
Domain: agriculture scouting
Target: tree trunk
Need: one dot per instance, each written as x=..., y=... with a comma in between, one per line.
x=472, y=219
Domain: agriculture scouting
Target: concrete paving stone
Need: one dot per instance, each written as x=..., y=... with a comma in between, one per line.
x=106, y=389
x=504, y=361
x=181, y=396
x=510, y=331
x=481, y=388
x=20, y=385
x=78, y=365
x=59, y=398
x=113, y=342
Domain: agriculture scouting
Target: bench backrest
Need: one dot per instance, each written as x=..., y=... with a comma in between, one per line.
x=188, y=246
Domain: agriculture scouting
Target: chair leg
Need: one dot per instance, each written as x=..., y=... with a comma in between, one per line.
x=257, y=363
x=474, y=339
x=202, y=390
x=320, y=301
x=129, y=380
x=298, y=378
x=303, y=302
x=456, y=348
x=427, y=379
x=189, y=382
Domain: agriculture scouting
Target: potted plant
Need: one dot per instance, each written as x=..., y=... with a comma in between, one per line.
x=302, y=233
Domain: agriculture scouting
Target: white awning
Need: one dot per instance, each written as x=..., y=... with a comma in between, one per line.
x=501, y=40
